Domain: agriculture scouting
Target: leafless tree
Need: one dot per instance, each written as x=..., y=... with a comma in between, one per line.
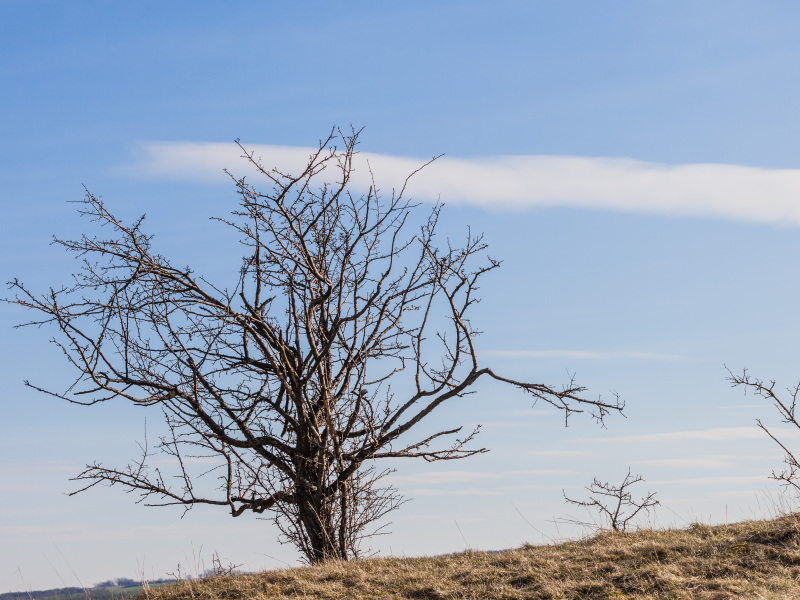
x=614, y=503
x=219, y=570
x=284, y=381
x=787, y=409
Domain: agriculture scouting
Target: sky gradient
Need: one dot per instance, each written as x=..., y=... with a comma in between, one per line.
x=634, y=164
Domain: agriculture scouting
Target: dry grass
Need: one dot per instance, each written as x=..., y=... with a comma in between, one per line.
x=752, y=559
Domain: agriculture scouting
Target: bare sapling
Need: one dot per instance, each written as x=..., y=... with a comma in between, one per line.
x=614, y=503
x=787, y=409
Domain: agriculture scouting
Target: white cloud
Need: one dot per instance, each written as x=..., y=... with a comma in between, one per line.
x=542, y=472
x=442, y=477
x=534, y=412
x=709, y=461
x=484, y=491
x=22, y=468
x=560, y=452
x=694, y=481
x=206, y=161
x=452, y=492
x=730, y=494
x=91, y=532
x=516, y=424
x=455, y=477
x=719, y=434
x=584, y=355
x=517, y=182
x=75, y=532
x=435, y=517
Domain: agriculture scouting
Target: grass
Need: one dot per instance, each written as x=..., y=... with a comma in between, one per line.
x=751, y=559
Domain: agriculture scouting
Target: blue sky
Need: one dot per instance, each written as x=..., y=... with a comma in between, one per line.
x=634, y=163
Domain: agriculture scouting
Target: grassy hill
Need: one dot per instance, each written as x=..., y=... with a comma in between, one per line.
x=752, y=559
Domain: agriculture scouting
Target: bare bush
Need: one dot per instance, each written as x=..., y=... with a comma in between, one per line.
x=614, y=503
x=787, y=409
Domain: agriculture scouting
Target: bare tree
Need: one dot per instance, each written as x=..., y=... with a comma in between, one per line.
x=787, y=408
x=284, y=380
x=614, y=503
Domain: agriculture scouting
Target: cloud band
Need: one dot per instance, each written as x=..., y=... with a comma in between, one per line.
x=518, y=182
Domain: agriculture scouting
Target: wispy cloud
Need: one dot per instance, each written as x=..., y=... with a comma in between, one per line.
x=457, y=477
x=442, y=477
x=584, y=355
x=517, y=182
x=541, y=472
x=713, y=480
x=90, y=532
x=717, y=461
x=437, y=518
x=76, y=532
x=534, y=412
x=27, y=468
x=717, y=434
x=560, y=452
x=453, y=492
x=729, y=494
x=483, y=491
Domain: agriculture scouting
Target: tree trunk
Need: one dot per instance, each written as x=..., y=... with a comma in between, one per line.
x=316, y=510
x=316, y=516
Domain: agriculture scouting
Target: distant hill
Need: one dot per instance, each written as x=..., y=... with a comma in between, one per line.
x=125, y=588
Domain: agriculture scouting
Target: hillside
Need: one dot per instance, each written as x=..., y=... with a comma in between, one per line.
x=76, y=593
x=752, y=559
x=122, y=591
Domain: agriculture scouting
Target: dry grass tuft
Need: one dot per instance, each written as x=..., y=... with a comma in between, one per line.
x=752, y=559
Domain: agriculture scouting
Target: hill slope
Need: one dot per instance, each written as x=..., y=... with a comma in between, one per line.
x=752, y=559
